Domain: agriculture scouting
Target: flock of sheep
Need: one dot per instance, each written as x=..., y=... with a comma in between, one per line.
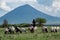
x=52, y=29
x=32, y=29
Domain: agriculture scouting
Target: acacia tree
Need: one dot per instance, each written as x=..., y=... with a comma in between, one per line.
x=5, y=23
x=40, y=21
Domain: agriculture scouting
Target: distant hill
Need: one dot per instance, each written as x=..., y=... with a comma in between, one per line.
x=25, y=14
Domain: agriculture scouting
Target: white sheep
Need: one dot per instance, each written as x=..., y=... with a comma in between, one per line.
x=58, y=28
x=54, y=29
x=13, y=28
x=23, y=29
x=44, y=29
x=35, y=28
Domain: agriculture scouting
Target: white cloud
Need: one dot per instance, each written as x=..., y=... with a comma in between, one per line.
x=42, y=8
x=19, y=0
x=10, y=0
x=52, y=10
x=4, y=6
x=28, y=0
x=56, y=4
x=56, y=8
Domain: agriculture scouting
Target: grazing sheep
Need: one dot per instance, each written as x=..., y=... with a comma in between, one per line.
x=35, y=28
x=11, y=29
x=58, y=28
x=31, y=28
x=6, y=30
x=54, y=29
x=44, y=29
x=18, y=29
x=23, y=29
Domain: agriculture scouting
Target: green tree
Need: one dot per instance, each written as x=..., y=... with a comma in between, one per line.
x=40, y=21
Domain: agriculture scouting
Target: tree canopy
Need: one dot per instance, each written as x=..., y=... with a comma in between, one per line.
x=40, y=21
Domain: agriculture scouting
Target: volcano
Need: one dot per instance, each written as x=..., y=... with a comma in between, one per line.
x=25, y=14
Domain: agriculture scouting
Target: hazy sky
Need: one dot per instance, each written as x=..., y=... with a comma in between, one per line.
x=50, y=7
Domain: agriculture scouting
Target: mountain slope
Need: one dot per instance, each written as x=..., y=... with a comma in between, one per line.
x=1, y=12
x=25, y=14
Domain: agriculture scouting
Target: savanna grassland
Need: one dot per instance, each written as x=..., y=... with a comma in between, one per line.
x=38, y=35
